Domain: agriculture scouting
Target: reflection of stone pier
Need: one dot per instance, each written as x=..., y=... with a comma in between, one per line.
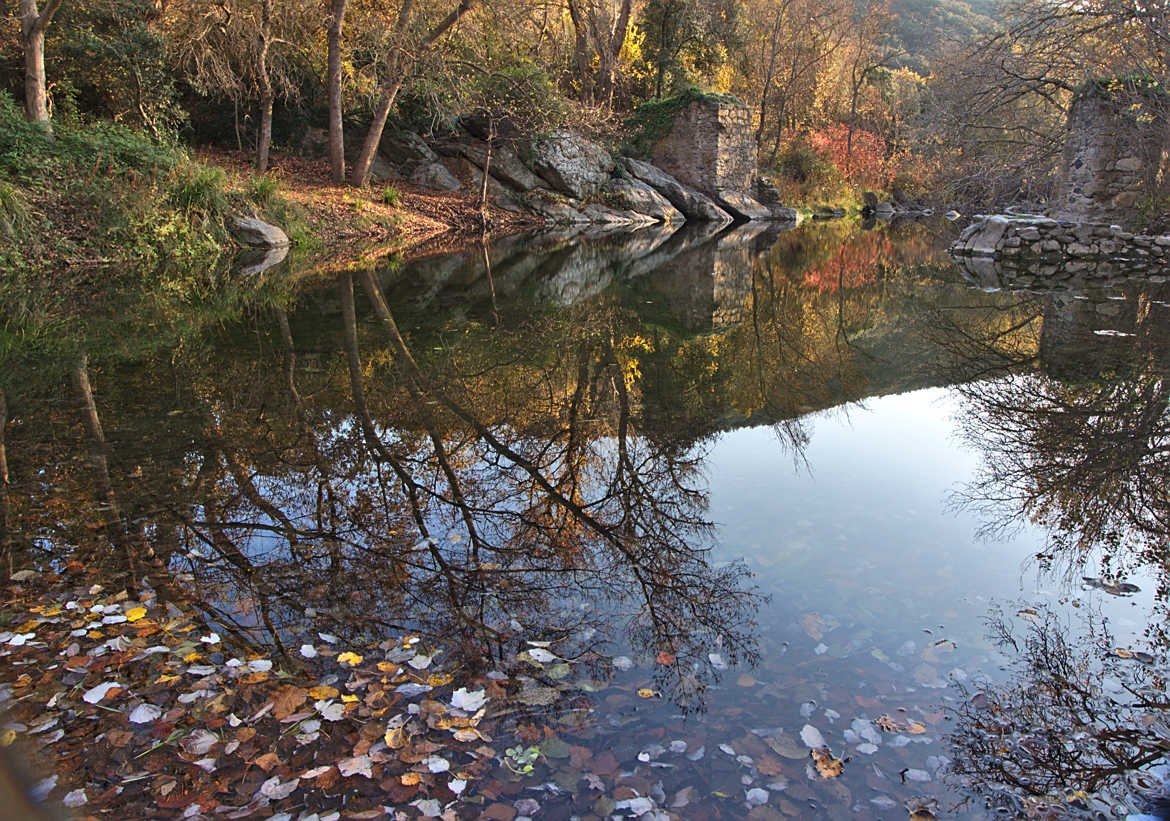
x=1093, y=315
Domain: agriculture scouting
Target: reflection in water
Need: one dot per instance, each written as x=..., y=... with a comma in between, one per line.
x=1074, y=727
x=514, y=444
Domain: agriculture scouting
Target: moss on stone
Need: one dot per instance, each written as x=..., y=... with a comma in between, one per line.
x=653, y=120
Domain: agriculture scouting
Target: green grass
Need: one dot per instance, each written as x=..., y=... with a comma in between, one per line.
x=390, y=196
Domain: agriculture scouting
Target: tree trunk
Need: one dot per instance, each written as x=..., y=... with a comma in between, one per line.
x=32, y=30
x=336, y=136
x=360, y=176
x=264, y=141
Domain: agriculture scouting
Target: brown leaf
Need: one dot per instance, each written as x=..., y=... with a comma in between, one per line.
x=499, y=812
x=287, y=700
x=769, y=765
x=267, y=761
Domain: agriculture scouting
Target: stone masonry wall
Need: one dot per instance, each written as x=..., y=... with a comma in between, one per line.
x=1075, y=246
x=711, y=147
x=1114, y=153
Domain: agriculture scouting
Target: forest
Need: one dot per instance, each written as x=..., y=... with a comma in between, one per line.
x=963, y=101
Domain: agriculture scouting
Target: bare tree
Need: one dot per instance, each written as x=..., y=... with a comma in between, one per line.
x=402, y=59
x=33, y=23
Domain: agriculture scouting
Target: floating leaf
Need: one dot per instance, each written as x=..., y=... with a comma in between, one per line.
x=135, y=613
x=322, y=692
x=96, y=694
x=350, y=658
x=468, y=700
x=812, y=737
x=646, y=692
x=666, y=658
x=145, y=714
x=358, y=765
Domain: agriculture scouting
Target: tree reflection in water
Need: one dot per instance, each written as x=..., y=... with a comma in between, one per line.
x=1074, y=729
x=1077, y=441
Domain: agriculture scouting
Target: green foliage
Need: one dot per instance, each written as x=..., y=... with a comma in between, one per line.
x=199, y=190
x=390, y=196
x=652, y=120
x=108, y=58
x=686, y=41
x=263, y=190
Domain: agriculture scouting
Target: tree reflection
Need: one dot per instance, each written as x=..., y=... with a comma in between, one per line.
x=1074, y=729
x=1081, y=444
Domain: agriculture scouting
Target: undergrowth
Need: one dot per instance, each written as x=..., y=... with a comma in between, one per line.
x=99, y=218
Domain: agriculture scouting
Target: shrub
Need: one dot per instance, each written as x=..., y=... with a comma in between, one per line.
x=199, y=189
x=262, y=190
x=390, y=196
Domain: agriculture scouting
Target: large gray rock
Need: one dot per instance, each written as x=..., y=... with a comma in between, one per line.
x=691, y=203
x=603, y=215
x=434, y=175
x=741, y=206
x=631, y=194
x=406, y=148
x=570, y=164
x=547, y=205
x=505, y=167
x=257, y=233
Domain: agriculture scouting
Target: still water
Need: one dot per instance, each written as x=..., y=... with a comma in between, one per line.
x=760, y=525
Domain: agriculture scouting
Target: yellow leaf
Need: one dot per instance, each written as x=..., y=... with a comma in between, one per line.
x=916, y=728
x=135, y=613
x=646, y=692
x=350, y=658
x=826, y=765
x=323, y=692
x=396, y=738
x=27, y=627
x=388, y=667
x=164, y=679
x=7, y=737
x=438, y=679
x=192, y=656
x=349, y=699
x=410, y=779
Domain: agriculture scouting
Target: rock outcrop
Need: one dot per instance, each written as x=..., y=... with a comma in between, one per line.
x=631, y=194
x=572, y=165
x=567, y=179
x=691, y=203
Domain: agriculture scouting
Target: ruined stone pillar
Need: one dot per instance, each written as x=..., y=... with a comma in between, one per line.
x=1114, y=152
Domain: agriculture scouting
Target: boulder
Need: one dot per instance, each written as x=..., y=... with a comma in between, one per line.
x=555, y=209
x=406, y=148
x=691, y=203
x=257, y=233
x=631, y=194
x=769, y=196
x=506, y=166
x=572, y=165
x=433, y=175
x=741, y=206
x=599, y=214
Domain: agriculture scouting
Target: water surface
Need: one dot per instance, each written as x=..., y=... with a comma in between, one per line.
x=765, y=491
